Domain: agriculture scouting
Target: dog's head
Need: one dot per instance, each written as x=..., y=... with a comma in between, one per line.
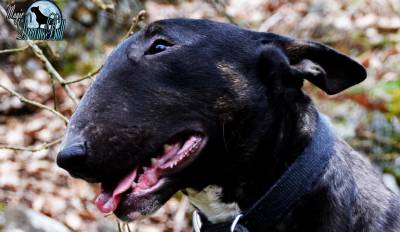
x=170, y=106
x=35, y=9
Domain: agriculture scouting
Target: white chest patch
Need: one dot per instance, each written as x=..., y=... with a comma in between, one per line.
x=208, y=201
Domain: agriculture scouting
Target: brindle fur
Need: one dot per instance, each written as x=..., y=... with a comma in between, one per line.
x=243, y=90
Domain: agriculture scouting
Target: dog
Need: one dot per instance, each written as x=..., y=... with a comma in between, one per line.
x=218, y=112
x=41, y=19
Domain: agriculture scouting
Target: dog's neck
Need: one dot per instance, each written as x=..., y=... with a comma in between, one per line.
x=284, y=138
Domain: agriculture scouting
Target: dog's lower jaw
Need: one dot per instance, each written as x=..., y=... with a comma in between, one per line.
x=209, y=203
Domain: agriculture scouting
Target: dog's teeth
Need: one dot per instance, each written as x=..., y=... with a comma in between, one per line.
x=153, y=161
x=134, y=184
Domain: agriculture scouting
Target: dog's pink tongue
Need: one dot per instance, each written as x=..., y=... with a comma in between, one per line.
x=107, y=202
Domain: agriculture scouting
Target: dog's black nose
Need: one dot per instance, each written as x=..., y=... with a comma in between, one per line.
x=72, y=157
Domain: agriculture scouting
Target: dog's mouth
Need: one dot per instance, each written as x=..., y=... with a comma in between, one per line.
x=149, y=177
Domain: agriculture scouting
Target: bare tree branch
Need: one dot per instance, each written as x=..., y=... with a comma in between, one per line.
x=50, y=68
x=53, y=90
x=37, y=104
x=55, y=75
x=134, y=26
x=135, y=22
x=20, y=49
x=32, y=148
x=90, y=75
x=14, y=50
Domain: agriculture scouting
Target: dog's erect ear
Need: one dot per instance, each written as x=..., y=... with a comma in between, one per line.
x=323, y=66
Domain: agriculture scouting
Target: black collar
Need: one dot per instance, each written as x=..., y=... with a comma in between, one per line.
x=298, y=180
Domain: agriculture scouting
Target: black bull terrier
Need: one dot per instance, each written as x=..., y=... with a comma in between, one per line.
x=218, y=112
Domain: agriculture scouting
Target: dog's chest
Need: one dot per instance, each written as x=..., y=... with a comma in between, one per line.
x=208, y=201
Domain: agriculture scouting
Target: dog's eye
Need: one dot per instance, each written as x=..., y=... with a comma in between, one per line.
x=158, y=46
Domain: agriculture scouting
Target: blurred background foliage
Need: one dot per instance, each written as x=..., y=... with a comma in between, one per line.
x=367, y=116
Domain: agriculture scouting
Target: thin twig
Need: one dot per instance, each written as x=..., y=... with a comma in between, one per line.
x=53, y=90
x=90, y=75
x=33, y=148
x=50, y=68
x=133, y=28
x=135, y=22
x=14, y=50
x=11, y=50
x=34, y=103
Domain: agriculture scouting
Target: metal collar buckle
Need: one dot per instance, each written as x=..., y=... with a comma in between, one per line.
x=196, y=221
x=235, y=222
x=197, y=224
